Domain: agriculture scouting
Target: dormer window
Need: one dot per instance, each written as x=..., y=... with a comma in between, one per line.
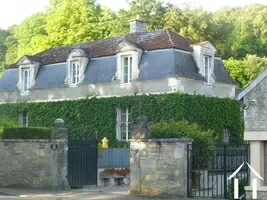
x=28, y=68
x=204, y=53
x=127, y=69
x=128, y=58
x=26, y=77
x=75, y=67
x=75, y=72
x=207, y=67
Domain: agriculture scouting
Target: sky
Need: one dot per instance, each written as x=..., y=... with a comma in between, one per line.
x=14, y=11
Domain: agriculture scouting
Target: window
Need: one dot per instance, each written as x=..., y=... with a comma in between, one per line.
x=75, y=72
x=207, y=66
x=127, y=67
x=123, y=123
x=23, y=119
x=26, y=79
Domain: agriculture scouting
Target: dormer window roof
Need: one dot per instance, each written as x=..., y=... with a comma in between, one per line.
x=204, y=53
x=28, y=68
x=128, y=58
x=76, y=66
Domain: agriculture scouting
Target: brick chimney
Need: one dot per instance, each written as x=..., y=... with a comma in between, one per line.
x=137, y=25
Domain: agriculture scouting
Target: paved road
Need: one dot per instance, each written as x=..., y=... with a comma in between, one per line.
x=116, y=193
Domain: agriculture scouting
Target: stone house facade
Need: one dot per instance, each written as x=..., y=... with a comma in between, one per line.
x=141, y=62
x=253, y=99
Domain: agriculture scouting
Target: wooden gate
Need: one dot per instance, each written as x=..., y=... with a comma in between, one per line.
x=82, y=163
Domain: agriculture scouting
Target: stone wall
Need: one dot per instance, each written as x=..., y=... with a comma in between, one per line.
x=34, y=163
x=261, y=194
x=256, y=115
x=159, y=167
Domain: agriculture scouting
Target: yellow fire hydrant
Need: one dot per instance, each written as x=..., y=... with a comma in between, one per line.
x=105, y=143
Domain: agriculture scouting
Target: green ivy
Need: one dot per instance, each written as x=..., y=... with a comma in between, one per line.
x=95, y=118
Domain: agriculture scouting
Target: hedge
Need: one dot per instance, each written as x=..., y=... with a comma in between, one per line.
x=95, y=118
x=27, y=133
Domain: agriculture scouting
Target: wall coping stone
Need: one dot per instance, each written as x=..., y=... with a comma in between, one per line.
x=33, y=140
x=189, y=140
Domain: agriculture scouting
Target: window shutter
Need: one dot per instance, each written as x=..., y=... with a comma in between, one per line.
x=118, y=124
x=118, y=72
x=135, y=66
x=67, y=79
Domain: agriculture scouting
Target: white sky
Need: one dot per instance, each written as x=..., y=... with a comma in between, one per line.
x=14, y=11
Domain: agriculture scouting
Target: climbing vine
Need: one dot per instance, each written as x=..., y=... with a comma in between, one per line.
x=95, y=118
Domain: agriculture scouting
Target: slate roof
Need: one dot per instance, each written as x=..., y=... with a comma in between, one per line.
x=221, y=75
x=161, y=39
x=166, y=63
x=161, y=58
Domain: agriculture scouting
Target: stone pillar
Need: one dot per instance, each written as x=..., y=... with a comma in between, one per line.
x=59, y=144
x=257, y=163
x=159, y=167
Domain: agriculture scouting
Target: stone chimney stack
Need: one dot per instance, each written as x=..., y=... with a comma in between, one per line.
x=137, y=25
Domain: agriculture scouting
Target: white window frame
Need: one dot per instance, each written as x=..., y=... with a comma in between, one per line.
x=25, y=83
x=23, y=119
x=75, y=78
x=120, y=123
x=207, y=68
x=129, y=66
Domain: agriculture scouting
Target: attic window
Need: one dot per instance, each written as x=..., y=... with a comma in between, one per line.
x=75, y=72
x=127, y=67
x=75, y=67
x=207, y=67
x=26, y=79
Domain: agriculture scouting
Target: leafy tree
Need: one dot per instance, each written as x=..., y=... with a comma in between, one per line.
x=3, y=48
x=246, y=70
x=236, y=71
x=73, y=21
x=151, y=10
x=30, y=32
x=12, y=46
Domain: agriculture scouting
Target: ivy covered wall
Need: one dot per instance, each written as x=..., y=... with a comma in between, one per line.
x=95, y=118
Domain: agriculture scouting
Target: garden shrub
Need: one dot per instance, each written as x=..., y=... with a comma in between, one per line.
x=204, y=141
x=27, y=133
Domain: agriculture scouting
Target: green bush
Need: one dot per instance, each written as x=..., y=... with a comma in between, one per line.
x=6, y=122
x=204, y=141
x=27, y=133
x=95, y=118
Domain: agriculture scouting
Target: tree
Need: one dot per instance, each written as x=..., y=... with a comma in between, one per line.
x=244, y=71
x=12, y=46
x=236, y=71
x=151, y=10
x=73, y=21
x=30, y=32
x=3, y=48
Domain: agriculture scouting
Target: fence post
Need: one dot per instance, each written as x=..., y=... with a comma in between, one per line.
x=189, y=170
x=224, y=170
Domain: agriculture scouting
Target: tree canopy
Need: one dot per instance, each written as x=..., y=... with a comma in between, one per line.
x=239, y=34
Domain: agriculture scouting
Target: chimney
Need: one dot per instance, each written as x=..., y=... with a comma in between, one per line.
x=137, y=25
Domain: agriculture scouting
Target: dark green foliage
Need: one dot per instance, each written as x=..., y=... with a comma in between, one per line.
x=27, y=133
x=183, y=129
x=95, y=118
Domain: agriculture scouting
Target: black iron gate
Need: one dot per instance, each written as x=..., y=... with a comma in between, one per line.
x=82, y=163
x=207, y=175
